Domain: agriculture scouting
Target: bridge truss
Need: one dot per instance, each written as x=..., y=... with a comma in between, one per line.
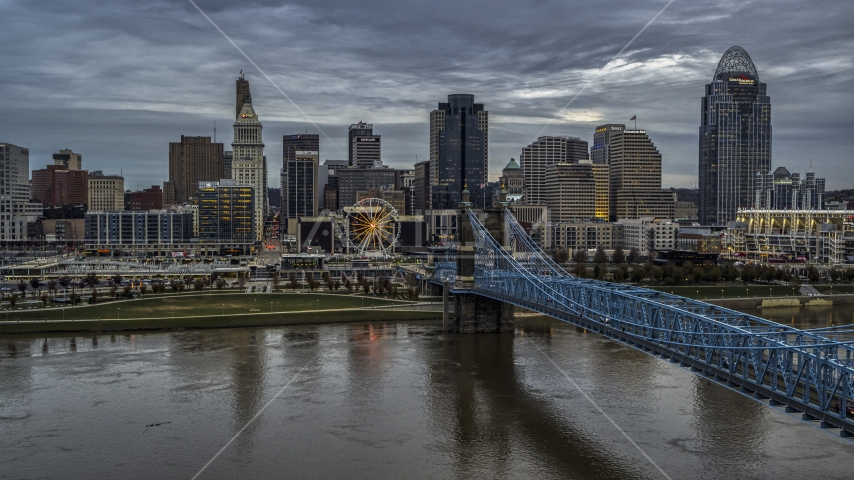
x=807, y=371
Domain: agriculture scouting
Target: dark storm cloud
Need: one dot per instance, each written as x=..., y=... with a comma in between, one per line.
x=118, y=80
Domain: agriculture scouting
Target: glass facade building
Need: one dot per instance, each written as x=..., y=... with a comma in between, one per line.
x=299, y=181
x=226, y=213
x=735, y=138
x=459, y=144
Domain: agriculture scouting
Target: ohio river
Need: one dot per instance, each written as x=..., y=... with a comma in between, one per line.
x=388, y=400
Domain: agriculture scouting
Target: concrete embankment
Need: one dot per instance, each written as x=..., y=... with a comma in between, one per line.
x=775, y=302
x=310, y=317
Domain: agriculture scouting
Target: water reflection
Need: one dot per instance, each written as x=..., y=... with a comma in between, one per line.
x=493, y=412
x=376, y=400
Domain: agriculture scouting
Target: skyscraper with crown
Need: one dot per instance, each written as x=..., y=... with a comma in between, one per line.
x=249, y=165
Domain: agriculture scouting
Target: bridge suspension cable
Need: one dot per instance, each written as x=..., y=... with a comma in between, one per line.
x=803, y=368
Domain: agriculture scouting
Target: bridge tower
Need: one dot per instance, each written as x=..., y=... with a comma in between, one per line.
x=475, y=313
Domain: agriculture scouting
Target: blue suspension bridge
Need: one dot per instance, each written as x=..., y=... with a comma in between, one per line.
x=804, y=371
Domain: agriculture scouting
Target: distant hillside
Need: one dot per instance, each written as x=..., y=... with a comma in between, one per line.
x=840, y=196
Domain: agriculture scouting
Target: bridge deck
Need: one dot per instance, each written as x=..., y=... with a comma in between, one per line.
x=808, y=371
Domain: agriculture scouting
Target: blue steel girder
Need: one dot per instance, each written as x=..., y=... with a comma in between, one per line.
x=800, y=368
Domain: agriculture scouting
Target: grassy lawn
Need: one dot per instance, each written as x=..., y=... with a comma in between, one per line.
x=730, y=291
x=835, y=289
x=190, y=305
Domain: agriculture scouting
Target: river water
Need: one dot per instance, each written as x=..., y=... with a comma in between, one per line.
x=388, y=400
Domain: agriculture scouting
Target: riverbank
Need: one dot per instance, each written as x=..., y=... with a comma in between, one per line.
x=215, y=311
x=224, y=321
x=782, y=302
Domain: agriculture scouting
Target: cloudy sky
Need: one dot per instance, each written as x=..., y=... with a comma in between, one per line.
x=117, y=80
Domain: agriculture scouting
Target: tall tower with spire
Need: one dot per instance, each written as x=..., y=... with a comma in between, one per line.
x=249, y=165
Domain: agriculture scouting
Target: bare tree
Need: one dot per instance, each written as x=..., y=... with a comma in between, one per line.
x=619, y=256
x=634, y=255
x=94, y=296
x=600, y=257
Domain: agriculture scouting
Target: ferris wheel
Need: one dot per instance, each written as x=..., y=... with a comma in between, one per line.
x=373, y=227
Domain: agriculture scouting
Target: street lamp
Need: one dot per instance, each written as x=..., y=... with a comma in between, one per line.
x=118, y=314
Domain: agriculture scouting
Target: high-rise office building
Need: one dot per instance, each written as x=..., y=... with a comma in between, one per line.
x=602, y=178
x=55, y=186
x=227, y=158
x=421, y=186
x=360, y=129
x=781, y=190
x=299, y=142
x=547, y=151
x=192, y=160
x=570, y=192
x=404, y=181
x=226, y=213
x=106, y=192
x=291, y=144
x=15, y=193
x=459, y=152
x=600, y=152
x=365, y=148
x=68, y=160
x=299, y=183
x=634, y=172
x=146, y=199
x=353, y=180
x=249, y=166
x=735, y=138
x=330, y=188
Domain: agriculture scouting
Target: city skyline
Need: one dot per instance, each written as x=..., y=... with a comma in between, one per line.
x=133, y=116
